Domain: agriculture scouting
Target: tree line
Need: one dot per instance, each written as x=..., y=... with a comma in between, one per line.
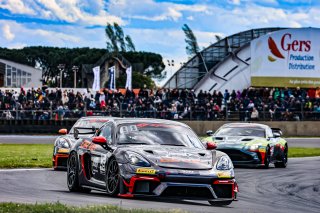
x=48, y=59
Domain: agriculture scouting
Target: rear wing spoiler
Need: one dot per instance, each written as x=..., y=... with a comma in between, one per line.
x=277, y=130
x=76, y=131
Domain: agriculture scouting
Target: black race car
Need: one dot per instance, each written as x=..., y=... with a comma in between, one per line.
x=86, y=126
x=148, y=157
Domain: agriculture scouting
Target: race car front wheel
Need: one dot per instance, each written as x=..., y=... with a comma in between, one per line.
x=220, y=203
x=112, y=178
x=73, y=174
x=267, y=158
x=283, y=163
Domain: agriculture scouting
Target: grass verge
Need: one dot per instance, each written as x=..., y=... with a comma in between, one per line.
x=25, y=155
x=39, y=155
x=303, y=152
x=58, y=207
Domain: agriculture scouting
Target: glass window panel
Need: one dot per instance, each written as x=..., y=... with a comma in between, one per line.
x=13, y=69
x=8, y=82
x=14, y=76
x=18, y=78
x=23, y=81
x=24, y=73
x=29, y=80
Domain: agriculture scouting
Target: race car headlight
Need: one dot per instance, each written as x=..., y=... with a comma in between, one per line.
x=61, y=143
x=137, y=160
x=254, y=147
x=224, y=163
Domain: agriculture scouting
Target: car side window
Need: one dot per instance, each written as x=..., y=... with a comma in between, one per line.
x=107, y=133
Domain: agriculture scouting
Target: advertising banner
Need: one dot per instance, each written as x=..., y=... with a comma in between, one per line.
x=129, y=78
x=112, y=78
x=286, y=58
x=96, y=79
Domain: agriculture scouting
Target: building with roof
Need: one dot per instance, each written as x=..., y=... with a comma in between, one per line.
x=15, y=75
x=105, y=62
x=272, y=57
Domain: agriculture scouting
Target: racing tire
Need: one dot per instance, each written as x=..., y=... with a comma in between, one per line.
x=73, y=175
x=284, y=162
x=267, y=158
x=113, y=178
x=220, y=203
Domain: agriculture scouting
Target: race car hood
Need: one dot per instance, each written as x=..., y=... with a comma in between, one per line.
x=176, y=156
x=235, y=141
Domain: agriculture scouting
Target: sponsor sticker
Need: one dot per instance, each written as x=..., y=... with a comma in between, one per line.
x=146, y=171
x=63, y=150
x=224, y=174
x=262, y=150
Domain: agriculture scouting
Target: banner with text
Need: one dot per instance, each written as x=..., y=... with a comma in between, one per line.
x=96, y=78
x=286, y=58
x=129, y=78
x=112, y=78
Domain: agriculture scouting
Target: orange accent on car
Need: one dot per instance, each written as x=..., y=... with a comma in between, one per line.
x=136, y=178
x=231, y=182
x=56, y=157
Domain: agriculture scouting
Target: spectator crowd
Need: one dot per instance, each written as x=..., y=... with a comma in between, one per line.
x=248, y=104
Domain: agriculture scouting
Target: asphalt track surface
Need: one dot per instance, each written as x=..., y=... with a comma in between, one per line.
x=49, y=139
x=293, y=189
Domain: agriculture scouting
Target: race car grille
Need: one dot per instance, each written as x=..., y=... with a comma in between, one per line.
x=145, y=187
x=185, y=191
x=62, y=162
x=223, y=190
x=237, y=155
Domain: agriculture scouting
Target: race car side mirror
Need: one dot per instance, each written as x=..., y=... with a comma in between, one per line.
x=211, y=145
x=99, y=140
x=276, y=135
x=63, y=131
x=209, y=132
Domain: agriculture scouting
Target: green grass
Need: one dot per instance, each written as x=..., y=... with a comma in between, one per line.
x=58, y=208
x=303, y=152
x=25, y=155
x=40, y=155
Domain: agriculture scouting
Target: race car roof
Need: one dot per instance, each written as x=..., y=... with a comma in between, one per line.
x=146, y=120
x=244, y=125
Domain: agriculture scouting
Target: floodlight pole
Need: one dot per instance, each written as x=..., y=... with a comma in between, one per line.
x=75, y=70
x=61, y=68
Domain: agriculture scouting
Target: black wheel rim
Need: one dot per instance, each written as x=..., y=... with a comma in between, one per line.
x=267, y=158
x=112, y=176
x=285, y=156
x=71, y=170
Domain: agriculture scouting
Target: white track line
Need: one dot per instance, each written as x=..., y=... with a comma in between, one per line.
x=22, y=170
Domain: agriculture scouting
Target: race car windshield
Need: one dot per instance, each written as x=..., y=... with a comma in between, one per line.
x=93, y=124
x=157, y=134
x=241, y=131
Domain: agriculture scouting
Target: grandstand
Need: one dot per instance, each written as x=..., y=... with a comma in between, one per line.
x=219, y=65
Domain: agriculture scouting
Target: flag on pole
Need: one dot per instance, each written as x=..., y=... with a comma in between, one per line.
x=112, y=78
x=129, y=78
x=96, y=79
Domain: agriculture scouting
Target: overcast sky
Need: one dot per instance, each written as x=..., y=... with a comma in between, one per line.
x=154, y=25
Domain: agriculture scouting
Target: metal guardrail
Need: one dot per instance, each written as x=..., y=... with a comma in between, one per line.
x=58, y=115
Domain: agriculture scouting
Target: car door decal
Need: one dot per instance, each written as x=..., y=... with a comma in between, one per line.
x=103, y=161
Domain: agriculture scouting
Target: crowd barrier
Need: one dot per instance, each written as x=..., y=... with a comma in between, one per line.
x=197, y=115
